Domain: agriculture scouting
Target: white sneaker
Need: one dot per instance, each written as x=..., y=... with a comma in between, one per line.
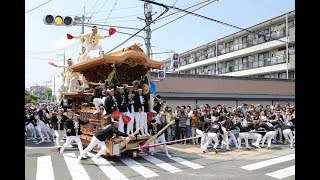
x=168, y=155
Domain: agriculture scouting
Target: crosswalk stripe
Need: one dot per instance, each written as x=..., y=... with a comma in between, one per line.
x=76, y=170
x=162, y=164
x=44, y=168
x=145, y=172
x=269, y=162
x=283, y=173
x=187, y=163
x=108, y=169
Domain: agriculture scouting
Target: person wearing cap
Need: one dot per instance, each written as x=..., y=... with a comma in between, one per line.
x=155, y=126
x=73, y=129
x=129, y=96
x=103, y=134
x=122, y=103
x=57, y=123
x=100, y=97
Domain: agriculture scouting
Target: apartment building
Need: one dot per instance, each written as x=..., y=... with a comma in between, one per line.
x=265, y=50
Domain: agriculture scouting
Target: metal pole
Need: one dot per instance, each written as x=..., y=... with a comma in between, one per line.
x=217, y=57
x=287, y=48
x=82, y=20
x=54, y=87
x=148, y=20
x=64, y=63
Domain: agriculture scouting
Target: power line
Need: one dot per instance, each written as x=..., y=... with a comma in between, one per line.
x=112, y=10
x=118, y=31
x=93, y=6
x=115, y=3
x=175, y=2
x=119, y=17
x=38, y=6
x=100, y=8
x=184, y=15
x=210, y=19
x=185, y=9
x=140, y=29
x=94, y=24
x=122, y=21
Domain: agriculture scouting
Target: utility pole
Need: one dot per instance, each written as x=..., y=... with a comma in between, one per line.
x=287, y=48
x=147, y=20
x=81, y=19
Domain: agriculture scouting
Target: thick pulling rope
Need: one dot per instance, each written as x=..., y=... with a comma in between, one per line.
x=168, y=142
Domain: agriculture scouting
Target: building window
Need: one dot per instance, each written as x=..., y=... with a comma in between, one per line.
x=291, y=74
x=282, y=75
x=291, y=23
x=243, y=42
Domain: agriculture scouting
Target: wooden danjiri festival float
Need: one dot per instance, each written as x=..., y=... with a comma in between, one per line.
x=127, y=66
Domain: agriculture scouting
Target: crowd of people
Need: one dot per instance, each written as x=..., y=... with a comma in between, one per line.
x=217, y=126
x=227, y=126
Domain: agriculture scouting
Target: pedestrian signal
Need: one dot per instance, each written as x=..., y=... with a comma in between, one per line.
x=175, y=61
x=161, y=74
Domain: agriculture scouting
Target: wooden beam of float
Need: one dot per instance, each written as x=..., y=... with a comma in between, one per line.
x=130, y=64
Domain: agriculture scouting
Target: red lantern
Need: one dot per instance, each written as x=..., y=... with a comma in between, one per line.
x=69, y=36
x=115, y=115
x=112, y=31
x=126, y=119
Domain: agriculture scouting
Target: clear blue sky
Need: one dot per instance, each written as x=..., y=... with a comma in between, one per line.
x=44, y=43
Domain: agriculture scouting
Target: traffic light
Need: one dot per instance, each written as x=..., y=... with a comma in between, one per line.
x=58, y=20
x=175, y=61
x=161, y=72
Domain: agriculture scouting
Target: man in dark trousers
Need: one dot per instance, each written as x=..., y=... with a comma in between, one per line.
x=99, y=138
x=73, y=131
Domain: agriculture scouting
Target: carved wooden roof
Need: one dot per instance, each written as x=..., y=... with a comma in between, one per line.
x=130, y=64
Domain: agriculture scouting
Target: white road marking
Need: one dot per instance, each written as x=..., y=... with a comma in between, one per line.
x=145, y=172
x=44, y=168
x=76, y=170
x=162, y=164
x=269, y=162
x=187, y=163
x=283, y=173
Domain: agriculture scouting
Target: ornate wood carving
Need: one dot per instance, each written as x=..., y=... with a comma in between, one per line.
x=133, y=62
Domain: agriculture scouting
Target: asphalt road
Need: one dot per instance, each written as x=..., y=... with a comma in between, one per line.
x=43, y=161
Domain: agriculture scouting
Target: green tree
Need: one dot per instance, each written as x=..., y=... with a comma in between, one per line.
x=32, y=99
